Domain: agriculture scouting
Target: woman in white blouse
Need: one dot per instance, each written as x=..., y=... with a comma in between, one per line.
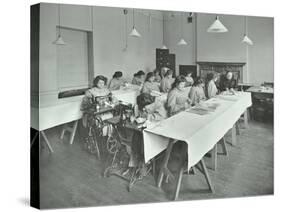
x=197, y=93
x=211, y=88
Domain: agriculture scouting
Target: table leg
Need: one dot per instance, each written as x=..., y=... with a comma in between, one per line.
x=73, y=132
x=233, y=135
x=223, y=144
x=214, y=158
x=34, y=139
x=179, y=179
x=47, y=141
x=237, y=128
x=246, y=119
x=63, y=131
x=164, y=165
x=206, y=174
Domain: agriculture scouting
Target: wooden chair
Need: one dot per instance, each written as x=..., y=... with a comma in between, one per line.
x=259, y=107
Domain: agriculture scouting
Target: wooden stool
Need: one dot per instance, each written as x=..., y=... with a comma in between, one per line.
x=202, y=169
x=71, y=130
x=164, y=167
x=214, y=153
x=164, y=170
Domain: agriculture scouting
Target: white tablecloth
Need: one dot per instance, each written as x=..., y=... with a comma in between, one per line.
x=65, y=112
x=200, y=132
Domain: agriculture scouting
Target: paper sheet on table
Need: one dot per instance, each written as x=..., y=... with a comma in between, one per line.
x=233, y=98
x=197, y=111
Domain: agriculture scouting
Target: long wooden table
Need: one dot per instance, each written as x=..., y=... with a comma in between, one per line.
x=43, y=118
x=200, y=132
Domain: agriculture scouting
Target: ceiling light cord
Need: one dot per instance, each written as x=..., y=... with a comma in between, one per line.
x=133, y=18
x=59, y=18
x=92, y=17
x=125, y=34
x=181, y=17
x=245, y=26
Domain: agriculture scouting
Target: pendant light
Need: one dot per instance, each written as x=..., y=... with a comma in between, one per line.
x=182, y=41
x=59, y=40
x=246, y=39
x=163, y=47
x=217, y=26
x=134, y=32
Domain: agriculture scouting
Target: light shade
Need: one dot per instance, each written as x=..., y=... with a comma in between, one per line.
x=135, y=33
x=217, y=27
x=59, y=41
x=164, y=47
x=182, y=42
x=247, y=40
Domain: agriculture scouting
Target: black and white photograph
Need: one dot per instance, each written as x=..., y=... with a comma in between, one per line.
x=131, y=105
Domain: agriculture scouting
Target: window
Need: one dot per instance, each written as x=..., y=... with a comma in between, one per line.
x=73, y=61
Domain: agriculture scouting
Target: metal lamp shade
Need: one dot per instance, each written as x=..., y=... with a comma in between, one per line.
x=135, y=33
x=59, y=41
x=182, y=42
x=247, y=40
x=217, y=27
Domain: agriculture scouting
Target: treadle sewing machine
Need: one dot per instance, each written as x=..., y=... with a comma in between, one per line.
x=99, y=109
x=125, y=144
x=124, y=157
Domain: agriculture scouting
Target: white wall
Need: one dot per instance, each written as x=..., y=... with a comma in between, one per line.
x=185, y=55
x=227, y=47
x=220, y=47
x=108, y=42
x=261, y=54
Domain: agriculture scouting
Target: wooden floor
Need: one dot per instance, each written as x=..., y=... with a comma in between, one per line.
x=70, y=177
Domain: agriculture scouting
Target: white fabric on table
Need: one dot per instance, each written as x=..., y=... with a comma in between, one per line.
x=127, y=95
x=200, y=132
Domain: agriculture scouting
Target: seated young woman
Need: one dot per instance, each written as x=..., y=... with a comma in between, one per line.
x=189, y=79
x=149, y=84
x=151, y=108
x=210, y=87
x=99, y=94
x=167, y=81
x=117, y=81
x=158, y=75
x=178, y=99
x=138, y=78
x=197, y=93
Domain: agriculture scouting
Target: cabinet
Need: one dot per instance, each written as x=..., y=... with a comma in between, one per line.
x=165, y=59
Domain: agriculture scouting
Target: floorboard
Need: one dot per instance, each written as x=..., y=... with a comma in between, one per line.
x=71, y=177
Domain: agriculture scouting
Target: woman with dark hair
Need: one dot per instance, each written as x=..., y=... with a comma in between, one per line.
x=96, y=93
x=189, y=79
x=150, y=107
x=167, y=81
x=227, y=82
x=178, y=99
x=138, y=78
x=100, y=96
x=158, y=75
x=149, y=84
x=117, y=81
x=197, y=93
x=210, y=87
